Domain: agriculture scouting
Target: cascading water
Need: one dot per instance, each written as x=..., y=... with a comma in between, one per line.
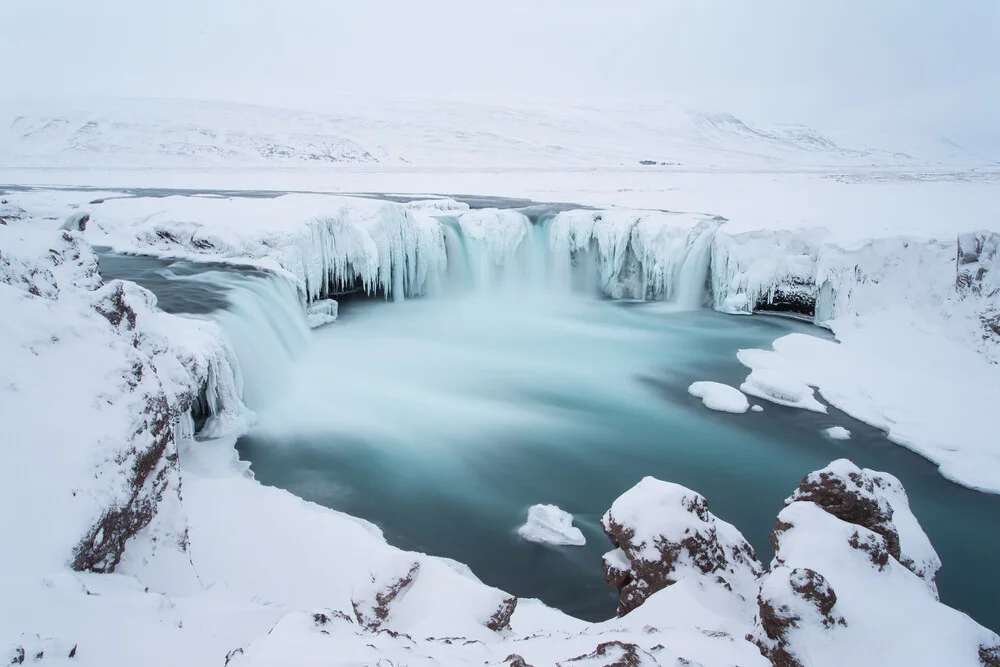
x=443, y=419
x=693, y=277
x=265, y=323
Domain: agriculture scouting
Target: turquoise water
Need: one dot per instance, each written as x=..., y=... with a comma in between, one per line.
x=443, y=420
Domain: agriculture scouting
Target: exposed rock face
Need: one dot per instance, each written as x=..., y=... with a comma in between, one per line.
x=664, y=532
x=876, y=501
x=372, y=600
x=10, y=213
x=789, y=598
x=614, y=654
x=151, y=471
x=500, y=620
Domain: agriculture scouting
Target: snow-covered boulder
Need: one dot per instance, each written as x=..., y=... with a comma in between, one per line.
x=852, y=567
x=878, y=502
x=548, y=524
x=663, y=533
x=721, y=397
x=834, y=595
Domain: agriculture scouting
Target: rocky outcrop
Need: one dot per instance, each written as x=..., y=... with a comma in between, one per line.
x=151, y=471
x=663, y=532
x=851, y=567
x=613, y=654
x=11, y=213
x=790, y=598
x=875, y=501
x=500, y=619
x=372, y=600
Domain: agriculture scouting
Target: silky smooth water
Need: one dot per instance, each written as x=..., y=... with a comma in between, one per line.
x=443, y=420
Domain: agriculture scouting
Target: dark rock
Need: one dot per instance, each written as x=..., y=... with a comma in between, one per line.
x=76, y=222
x=854, y=497
x=514, y=660
x=232, y=654
x=872, y=544
x=500, y=620
x=102, y=547
x=664, y=532
x=787, y=600
x=989, y=656
x=372, y=609
x=615, y=654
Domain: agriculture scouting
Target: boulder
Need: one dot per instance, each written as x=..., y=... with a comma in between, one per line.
x=663, y=532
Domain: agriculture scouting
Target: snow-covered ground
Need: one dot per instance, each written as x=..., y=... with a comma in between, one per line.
x=213, y=568
x=441, y=135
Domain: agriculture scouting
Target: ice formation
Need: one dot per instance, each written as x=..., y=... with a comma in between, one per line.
x=838, y=433
x=548, y=524
x=718, y=396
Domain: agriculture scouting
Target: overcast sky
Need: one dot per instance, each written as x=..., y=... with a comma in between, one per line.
x=912, y=62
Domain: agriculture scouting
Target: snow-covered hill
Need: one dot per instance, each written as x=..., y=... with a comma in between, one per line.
x=173, y=134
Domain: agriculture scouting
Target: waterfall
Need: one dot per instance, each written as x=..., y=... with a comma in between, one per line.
x=266, y=326
x=693, y=277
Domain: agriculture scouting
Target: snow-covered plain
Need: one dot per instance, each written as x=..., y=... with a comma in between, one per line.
x=228, y=571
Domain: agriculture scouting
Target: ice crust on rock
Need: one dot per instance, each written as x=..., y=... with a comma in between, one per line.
x=548, y=524
x=718, y=396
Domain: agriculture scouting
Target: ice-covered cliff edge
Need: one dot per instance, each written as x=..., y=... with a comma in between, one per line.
x=905, y=299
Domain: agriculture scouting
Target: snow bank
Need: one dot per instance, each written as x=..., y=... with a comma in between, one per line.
x=548, y=524
x=718, y=396
x=774, y=380
x=907, y=374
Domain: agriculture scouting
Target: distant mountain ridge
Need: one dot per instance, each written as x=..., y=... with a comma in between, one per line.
x=178, y=134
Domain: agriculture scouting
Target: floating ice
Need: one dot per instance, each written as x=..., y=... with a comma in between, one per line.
x=547, y=524
x=718, y=396
x=838, y=433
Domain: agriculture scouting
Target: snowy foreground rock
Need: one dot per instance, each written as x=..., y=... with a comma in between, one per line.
x=851, y=582
x=548, y=524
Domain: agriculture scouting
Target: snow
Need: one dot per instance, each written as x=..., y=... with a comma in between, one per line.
x=718, y=396
x=364, y=133
x=838, y=433
x=757, y=408
x=548, y=524
x=774, y=380
x=755, y=214
x=934, y=401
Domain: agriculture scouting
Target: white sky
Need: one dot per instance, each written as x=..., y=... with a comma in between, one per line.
x=925, y=64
